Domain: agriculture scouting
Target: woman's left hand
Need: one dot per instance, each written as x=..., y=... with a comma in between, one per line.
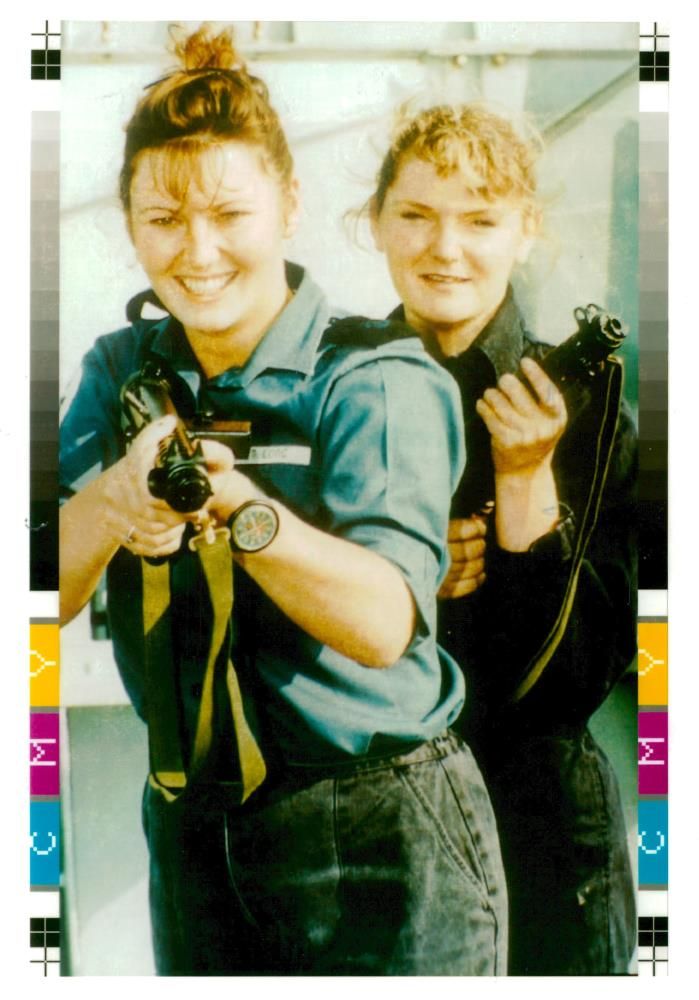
x=524, y=426
x=466, y=573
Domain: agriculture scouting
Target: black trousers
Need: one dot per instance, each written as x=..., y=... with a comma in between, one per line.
x=564, y=847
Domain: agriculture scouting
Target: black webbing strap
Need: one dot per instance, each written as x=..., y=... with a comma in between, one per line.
x=603, y=452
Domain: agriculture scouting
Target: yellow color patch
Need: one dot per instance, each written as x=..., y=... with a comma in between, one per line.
x=652, y=663
x=44, y=658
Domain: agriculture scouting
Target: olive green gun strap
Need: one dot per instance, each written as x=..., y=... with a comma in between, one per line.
x=164, y=746
x=167, y=772
x=603, y=452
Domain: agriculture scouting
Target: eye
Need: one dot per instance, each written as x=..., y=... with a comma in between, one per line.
x=411, y=215
x=162, y=220
x=231, y=215
x=483, y=222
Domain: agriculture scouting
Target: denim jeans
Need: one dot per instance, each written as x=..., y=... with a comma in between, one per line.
x=564, y=845
x=386, y=866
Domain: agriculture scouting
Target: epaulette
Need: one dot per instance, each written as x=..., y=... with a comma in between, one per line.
x=134, y=306
x=358, y=331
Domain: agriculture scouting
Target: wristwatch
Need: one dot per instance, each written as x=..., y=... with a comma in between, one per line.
x=253, y=526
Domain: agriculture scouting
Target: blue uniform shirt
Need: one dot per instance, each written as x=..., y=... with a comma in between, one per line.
x=366, y=444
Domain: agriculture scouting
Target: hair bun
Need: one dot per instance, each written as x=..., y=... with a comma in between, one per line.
x=206, y=50
x=211, y=99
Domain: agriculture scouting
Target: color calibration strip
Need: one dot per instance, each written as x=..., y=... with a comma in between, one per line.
x=44, y=930
x=43, y=315
x=653, y=755
x=44, y=791
x=655, y=53
x=46, y=52
x=653, y=749
x=653, y=334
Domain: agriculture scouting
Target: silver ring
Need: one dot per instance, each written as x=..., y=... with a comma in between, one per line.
x=131, y=534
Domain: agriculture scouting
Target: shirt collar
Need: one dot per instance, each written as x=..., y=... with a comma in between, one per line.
x=501, y=341
x=290, y=344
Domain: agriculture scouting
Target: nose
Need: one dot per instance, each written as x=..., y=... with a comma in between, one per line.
x=202, y=243
x=446, y=244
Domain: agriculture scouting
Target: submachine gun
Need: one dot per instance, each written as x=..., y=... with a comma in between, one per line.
x=571, y=365
x=179, y=476
x=582, y=355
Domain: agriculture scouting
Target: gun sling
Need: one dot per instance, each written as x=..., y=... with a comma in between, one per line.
x=603, y=451
x=167, y=772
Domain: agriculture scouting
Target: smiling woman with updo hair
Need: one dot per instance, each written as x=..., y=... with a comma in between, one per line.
x=307, y=810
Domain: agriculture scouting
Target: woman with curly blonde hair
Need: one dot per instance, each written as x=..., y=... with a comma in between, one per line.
x=538, y=605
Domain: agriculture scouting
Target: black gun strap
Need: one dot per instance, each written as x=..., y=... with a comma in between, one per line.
x=134, y=307
x=167, y=772
x=360, y=332
x=603, y=452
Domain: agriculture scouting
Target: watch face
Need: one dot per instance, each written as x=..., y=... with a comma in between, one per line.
x=254, y=527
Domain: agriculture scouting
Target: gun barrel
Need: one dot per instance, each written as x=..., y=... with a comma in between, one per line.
x=179, y=476
x=582, y=355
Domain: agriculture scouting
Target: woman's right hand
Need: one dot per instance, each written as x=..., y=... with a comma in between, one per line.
x=525, y=425
x=137, y=521
x=466, y=573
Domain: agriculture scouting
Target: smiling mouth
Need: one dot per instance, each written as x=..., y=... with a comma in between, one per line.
x=205, y=287
x=444, y=279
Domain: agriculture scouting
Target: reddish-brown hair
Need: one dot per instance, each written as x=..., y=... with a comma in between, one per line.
x=212, y=99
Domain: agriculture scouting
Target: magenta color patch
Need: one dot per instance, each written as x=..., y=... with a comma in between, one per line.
x=652, y=753
x=43, y=754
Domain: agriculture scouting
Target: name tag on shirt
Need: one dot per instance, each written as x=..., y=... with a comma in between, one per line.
x=278, y=454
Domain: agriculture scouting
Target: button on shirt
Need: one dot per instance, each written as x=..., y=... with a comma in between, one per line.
x=364, y=443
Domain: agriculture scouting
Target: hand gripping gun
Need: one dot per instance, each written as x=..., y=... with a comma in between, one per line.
x=179, y=476
x=573, y=363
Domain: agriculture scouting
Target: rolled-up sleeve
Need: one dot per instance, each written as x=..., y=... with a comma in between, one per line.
x=89, y=428
x=392, y=454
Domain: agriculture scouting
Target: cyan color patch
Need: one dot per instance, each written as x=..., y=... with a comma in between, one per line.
x=652, y=842
x=44, y=843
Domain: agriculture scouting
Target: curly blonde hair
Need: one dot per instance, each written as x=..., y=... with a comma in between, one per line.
x=211, y=99
x=495, y=161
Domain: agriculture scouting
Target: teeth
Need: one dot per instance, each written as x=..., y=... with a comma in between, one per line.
x=205, y=286
x=444, y=278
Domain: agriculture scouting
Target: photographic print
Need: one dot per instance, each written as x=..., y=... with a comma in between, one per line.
x=359, y=332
